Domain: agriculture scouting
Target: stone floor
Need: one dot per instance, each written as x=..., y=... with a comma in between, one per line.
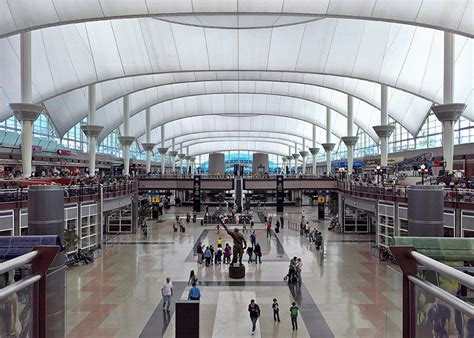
x=346, y=292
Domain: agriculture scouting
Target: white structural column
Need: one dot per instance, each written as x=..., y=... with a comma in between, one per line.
x=304, y=153
x=173, y=154
x=296, y=155
x=26, y=112
x=91, y=130
x=187, y=158
x=384, y=130
x=289, y=159
x=148, y=145
x=126, y=140
x=328, y=146
x=350, y=140
x=448, y=112
x=314, y=150
x=162, y=149
x=181, y=157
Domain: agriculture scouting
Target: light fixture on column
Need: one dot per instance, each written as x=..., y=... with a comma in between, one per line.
x=422, y=171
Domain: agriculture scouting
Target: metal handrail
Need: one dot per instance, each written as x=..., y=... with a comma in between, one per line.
x=455, y=302
x=17, y=262
x=18, y=286
x=444, y=269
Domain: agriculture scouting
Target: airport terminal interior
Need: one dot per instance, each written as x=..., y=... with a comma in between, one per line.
x=236, y=168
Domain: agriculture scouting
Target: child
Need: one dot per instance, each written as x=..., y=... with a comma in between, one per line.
x=276, y=310
x=294, y=315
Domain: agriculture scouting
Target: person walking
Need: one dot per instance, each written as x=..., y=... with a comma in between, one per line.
x=254, y=311
x=199, y=252
x=167, y=293
x=258, y=254
x=299, y=267
x=250, y=253
x=291, y=270
x=282, y=221
x=251, y=225
x=318, y=240
x=219, y=242
x=253, y=239
x=218, y=257
x=294, y=316
x=227, y=253
x=208, y=256
x=276, y=310
x=192, y=278
x=194, y=293
x=211, y=248
x=269, y=230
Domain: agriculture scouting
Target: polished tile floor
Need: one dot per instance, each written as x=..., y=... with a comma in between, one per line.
x=346, y=292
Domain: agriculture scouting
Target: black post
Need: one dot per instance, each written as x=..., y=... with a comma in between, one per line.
x=280, y=193
x=197, y=193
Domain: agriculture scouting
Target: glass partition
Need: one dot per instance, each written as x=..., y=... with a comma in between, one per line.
x=16, y=311
x=393, y=308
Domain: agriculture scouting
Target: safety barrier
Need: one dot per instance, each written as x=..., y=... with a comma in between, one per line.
x=40, y=259
x=420, y=294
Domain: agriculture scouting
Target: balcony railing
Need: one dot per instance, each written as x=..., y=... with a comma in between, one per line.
x=452, y=197
x=33, y=288
x=18, y=198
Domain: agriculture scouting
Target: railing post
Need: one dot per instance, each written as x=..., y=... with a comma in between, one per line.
x=408, y=266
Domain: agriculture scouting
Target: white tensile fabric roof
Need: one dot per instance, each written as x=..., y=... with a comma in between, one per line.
x=194, y=62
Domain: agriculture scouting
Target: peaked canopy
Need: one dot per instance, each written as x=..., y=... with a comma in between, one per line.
x=248, y=59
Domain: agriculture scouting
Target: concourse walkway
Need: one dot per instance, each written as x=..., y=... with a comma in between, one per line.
x=345, y=292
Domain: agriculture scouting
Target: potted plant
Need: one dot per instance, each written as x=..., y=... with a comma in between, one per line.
x=70, y=240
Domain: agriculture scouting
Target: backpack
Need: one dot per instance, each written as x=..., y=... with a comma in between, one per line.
x=294, y=311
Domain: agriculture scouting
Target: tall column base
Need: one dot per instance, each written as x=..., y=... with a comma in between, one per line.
x=314, y=151
x=448, y=114
x=92, y=132
x=328, y=147
x=126, y=142
x=27, y=113
x=384, y=132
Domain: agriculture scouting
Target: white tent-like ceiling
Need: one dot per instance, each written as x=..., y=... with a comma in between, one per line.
x=236, y=65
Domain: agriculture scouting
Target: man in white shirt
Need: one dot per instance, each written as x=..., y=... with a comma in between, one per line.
x=167, y=292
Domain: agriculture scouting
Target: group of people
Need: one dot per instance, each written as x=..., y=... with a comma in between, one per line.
x=254, y=311
x=211, y=256
x=312, y=233
x=194, y=293
x=254, y=249
x=294, y=270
